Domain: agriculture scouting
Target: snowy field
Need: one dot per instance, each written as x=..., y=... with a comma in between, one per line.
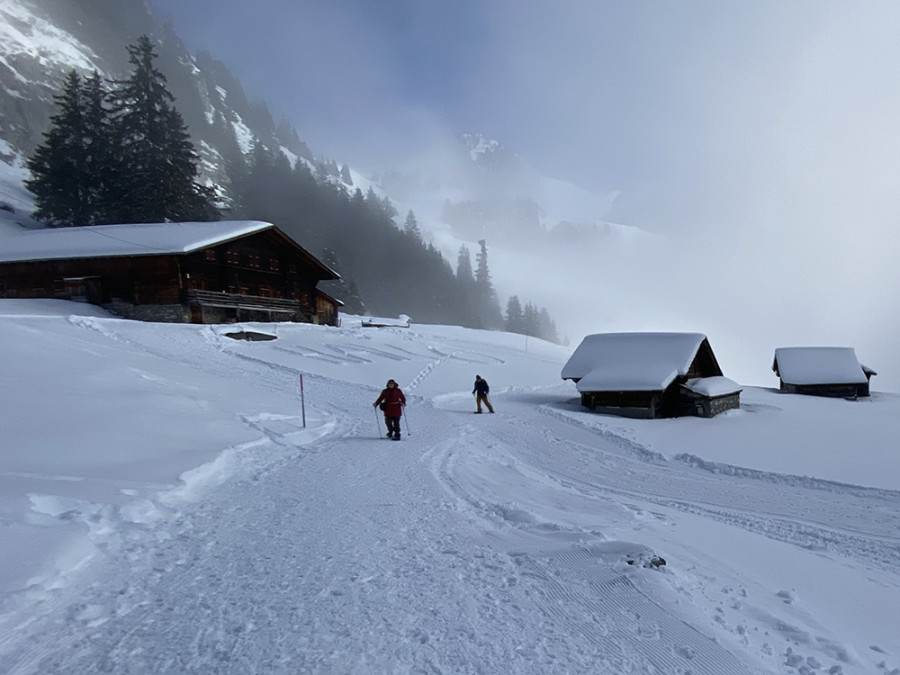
x=165, y=510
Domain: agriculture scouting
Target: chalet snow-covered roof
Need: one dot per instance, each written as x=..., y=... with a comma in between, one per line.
x=99, y=241
x=819, y=365
x=631, y=361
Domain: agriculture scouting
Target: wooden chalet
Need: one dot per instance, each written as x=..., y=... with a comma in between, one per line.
x=215, y=272
x=821, y=371
x=650, y=375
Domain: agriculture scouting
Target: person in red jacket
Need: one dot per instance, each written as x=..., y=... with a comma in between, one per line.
x=392, y=401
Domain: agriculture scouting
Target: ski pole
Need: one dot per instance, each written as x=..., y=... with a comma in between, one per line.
x=377, y=423
x=406, y=417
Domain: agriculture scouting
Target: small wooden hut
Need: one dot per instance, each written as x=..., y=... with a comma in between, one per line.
x=821, y=371
x=650, y=375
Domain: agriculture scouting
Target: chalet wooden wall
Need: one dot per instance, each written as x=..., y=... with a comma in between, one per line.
x=828, y=390
x=144, y=279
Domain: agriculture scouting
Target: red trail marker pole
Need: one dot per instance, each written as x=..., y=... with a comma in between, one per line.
x=302, y=401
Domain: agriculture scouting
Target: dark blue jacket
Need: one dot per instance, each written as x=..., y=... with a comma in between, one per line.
x=481, y=388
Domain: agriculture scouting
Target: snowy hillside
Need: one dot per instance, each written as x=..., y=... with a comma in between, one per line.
x=165, y=509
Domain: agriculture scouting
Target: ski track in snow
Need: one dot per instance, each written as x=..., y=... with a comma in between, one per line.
x=810, y=513
x=263, y=576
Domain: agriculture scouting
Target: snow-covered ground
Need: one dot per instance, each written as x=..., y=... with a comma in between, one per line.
x=165, y=510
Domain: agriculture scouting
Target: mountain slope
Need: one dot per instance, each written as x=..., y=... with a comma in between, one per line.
x=43, y=41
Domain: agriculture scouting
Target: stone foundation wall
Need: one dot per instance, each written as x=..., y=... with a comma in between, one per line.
x=723, y=403
x=156, y=313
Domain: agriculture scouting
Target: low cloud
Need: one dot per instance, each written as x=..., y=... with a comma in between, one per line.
x=760, y=140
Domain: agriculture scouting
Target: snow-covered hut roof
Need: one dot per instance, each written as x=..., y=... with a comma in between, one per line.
x=713, y=386
x=631, y=361
x=100, y=241
x=818, y=365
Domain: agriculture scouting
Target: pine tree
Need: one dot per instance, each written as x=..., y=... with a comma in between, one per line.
x=482, y=274
x=157, y=165
x=411, y=227
x=100, y=159
x=488, y=306
x=378, y=205
x=530, y=321
x=464, y=267
x=547, y=327
x=514, y=321
x=465, y=280
x=388, y=208
x=68, y=169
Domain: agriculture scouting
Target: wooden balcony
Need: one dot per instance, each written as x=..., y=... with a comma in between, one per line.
x=250, y=302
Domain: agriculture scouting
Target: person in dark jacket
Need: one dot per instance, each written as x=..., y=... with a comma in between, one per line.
x=481, y=394
x=393, y=401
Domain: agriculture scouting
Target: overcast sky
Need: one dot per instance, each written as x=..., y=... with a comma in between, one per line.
x=768, y=132
x=606, y=94
x=678, y=99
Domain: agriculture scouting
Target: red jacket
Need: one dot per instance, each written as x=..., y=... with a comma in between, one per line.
x=393, y=399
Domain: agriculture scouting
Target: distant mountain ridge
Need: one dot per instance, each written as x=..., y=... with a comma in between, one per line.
x=491, y=154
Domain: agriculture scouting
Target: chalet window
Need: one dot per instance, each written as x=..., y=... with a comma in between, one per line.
x=265, y=291
x=232, y=257
x=292, y=268
x=254, y=261
x=209, y=254
x=274, y=264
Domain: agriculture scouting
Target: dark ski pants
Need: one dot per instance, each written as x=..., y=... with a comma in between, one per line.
x=393, y=426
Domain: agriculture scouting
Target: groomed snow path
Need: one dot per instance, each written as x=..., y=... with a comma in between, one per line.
x=359, y=555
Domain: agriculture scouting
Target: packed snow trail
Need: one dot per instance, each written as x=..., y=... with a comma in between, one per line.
x=348, y=555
